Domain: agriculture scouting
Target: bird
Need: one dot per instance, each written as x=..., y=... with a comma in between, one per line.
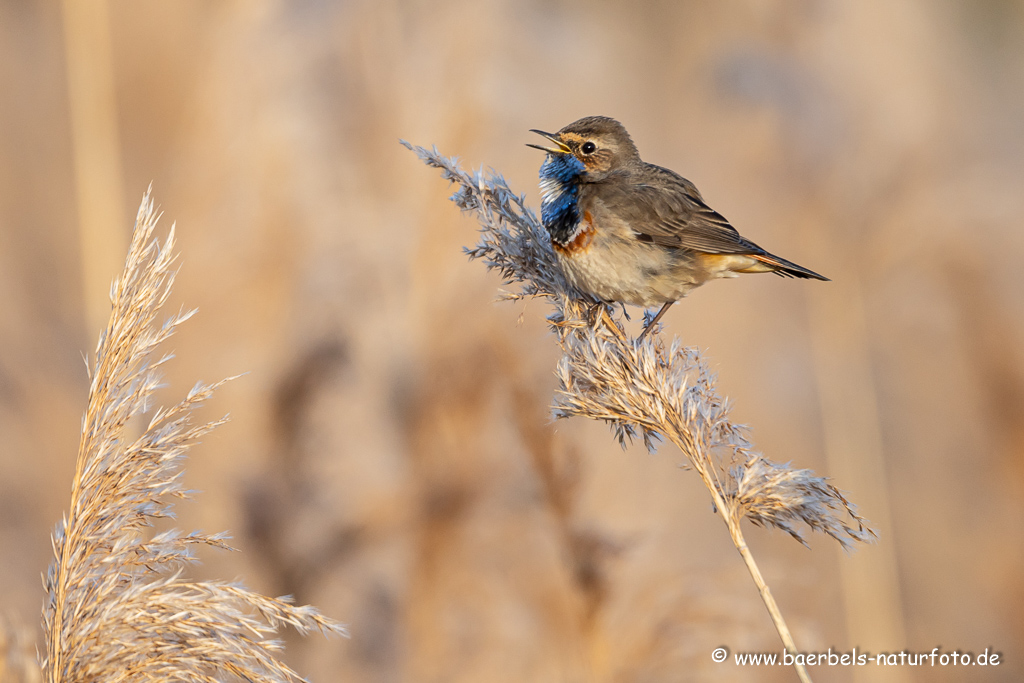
x=626, y=231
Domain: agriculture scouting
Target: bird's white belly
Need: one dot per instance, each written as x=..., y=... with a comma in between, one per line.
x=638, y=275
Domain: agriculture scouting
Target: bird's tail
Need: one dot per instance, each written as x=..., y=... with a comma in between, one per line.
x=781, y=266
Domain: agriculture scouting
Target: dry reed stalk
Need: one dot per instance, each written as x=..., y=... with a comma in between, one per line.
x=646, y=389
x=118, y=607
x=95, y=149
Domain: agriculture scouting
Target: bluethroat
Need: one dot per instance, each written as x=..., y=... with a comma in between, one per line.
x=631, y=232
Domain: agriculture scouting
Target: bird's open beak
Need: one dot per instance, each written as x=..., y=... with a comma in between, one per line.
x=559, y=148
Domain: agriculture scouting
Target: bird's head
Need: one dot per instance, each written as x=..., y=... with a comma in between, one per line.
x=601, y=145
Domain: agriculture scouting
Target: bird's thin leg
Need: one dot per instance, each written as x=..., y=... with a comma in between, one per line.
x=654, y=321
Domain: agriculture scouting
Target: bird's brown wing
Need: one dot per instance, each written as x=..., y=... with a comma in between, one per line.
x=667, y=209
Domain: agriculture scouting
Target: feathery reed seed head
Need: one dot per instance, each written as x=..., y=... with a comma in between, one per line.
x=118, y=607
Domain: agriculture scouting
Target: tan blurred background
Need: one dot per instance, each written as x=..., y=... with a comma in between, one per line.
x=391, y=457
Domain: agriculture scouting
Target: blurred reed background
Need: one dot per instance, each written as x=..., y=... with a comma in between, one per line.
x=391, y=458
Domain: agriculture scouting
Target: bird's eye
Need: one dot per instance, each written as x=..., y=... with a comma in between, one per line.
x=588, y=147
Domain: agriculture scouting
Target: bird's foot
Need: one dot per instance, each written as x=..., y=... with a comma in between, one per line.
x=650, y=322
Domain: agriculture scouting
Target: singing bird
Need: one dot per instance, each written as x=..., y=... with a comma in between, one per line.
x=631, y=232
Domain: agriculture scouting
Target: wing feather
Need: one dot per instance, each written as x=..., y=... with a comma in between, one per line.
x=670, y=212
x=666, y=209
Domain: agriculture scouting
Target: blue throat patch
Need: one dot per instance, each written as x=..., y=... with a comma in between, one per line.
x=559, y=186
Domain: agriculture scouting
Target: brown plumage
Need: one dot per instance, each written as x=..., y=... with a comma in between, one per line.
x=632, y=232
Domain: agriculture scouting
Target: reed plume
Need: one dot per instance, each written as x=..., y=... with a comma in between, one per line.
x=647, y=389
x=118, y=606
